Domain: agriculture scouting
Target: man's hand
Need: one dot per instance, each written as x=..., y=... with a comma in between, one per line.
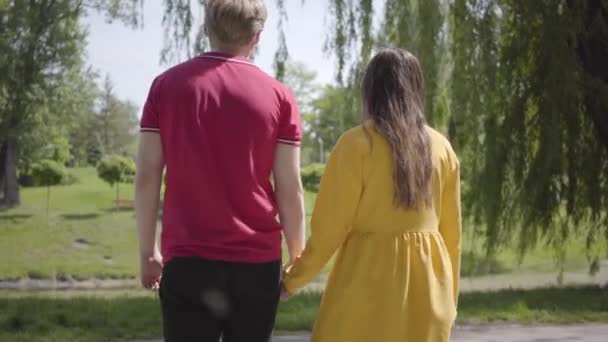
x=151, y=269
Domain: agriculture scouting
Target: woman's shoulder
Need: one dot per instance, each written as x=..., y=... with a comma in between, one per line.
x=442, y=148
x=358, y=136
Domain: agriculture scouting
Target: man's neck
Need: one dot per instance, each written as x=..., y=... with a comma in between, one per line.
x=245, y=53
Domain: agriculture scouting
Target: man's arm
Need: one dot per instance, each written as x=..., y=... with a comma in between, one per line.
x=290, y=198
x=148, y=181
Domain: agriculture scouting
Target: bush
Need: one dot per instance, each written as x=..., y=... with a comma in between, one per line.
x=311, y=176
x=48, y=173
x=69, y=179
x=115, y=170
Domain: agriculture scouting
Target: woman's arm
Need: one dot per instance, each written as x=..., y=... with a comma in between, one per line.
x=450, y=225
x=335, y=209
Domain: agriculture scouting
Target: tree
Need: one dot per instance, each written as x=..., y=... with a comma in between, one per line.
x=303, y=82
x=113, y=124
x=40, y=41
x=114, y=170
x=48, y=173
x=181, y=24
x=335, y=110
x=541, y=118
x=521, y=87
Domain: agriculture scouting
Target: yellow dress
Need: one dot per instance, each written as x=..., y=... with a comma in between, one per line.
x=395, y=277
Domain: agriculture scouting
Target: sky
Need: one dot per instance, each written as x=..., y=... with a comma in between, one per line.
x=131, y=57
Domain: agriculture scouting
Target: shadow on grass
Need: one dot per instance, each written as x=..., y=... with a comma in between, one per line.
x=15, y=218
x=78, y=217
x=119, y=210
x=476, y=265
x=93, y=319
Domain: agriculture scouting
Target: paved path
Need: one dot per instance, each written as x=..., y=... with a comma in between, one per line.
x=510, y=333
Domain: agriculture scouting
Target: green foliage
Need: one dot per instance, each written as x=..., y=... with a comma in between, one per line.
x=48, y=173
x=334, y=111
x=112, y=126
x=536, y=154
x=40, y=41
x=302, y=81
x=115, y=169
x=69, y=179
x=311, y=176
x=518, y=86
x=43, y=88
x=181, y=23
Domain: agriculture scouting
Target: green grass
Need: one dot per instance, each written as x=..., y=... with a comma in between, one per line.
x=136, y=317
x=83, y=237
x=546, y=305
x=34, y=246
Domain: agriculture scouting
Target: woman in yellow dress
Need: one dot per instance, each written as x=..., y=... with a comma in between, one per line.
x=389, y=203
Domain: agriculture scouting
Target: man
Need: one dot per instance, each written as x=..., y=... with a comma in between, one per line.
x=220, y=127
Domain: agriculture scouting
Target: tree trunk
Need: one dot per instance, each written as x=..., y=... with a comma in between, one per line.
x=48, y=201
x=117, y=202
x=11, y=186
x=2, y=163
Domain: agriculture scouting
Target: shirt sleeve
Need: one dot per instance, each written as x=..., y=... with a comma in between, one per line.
x=334, y=213
x=149, y=118
x=290, y=123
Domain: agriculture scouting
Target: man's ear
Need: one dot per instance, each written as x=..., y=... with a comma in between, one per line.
x=256, y=38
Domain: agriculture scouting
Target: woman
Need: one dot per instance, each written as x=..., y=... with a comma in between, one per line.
x=390, y=203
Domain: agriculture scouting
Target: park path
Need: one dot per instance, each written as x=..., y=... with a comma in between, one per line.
x=507, y=333
x=523, y=279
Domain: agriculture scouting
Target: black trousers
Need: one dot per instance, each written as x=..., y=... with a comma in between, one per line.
x=204, y=300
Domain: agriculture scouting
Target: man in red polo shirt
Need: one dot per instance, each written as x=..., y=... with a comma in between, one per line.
x=219, y=127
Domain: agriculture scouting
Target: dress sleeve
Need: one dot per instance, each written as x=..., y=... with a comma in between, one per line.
x=450, y=225
x=334, y=212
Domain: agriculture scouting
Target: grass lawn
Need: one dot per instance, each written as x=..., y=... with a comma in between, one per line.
x=98, y=318
x=83, y=237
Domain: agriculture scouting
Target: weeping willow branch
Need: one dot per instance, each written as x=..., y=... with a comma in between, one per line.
x=523, y=92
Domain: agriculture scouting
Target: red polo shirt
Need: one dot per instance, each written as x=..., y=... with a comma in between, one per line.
x=220, y=119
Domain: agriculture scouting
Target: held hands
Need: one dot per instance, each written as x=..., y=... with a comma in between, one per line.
x=285, y=294
x=151, y=271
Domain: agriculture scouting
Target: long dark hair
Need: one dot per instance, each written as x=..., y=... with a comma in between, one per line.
x=393, y=94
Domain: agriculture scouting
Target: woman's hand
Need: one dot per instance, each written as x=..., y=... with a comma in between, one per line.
x=285, y=294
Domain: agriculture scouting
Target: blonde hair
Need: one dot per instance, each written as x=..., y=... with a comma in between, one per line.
x=233, y=23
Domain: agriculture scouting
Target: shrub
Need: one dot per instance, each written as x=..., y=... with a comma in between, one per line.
x=48, y=173
x=115, y=170
x=69, y=179
x=311, y=176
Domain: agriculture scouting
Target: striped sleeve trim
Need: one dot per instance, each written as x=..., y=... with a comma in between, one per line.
x=149, y=129
x=289, y=142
